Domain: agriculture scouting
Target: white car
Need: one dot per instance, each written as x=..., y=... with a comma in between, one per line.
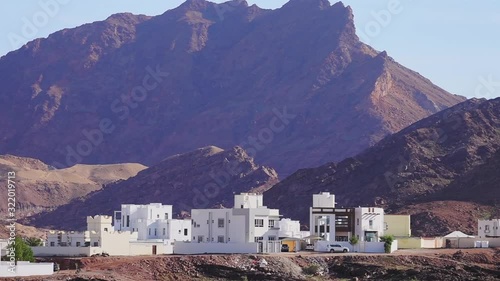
x=336, y=248
x=309, y=247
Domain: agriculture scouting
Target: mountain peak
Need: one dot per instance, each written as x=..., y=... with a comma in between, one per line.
x=322, y=4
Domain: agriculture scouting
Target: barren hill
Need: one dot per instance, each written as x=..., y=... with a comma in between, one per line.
x=443, y=169
x=293, y=86
x=40, y=187
x=204, y=178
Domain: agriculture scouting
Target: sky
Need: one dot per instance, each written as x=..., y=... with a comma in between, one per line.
x=454, y=43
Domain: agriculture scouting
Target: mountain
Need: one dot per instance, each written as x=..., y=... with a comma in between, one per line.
x=40, y=187
x=442, y=169
x=293, y=86
x=204, y=178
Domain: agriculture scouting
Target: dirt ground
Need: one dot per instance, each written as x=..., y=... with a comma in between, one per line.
x=440, y=264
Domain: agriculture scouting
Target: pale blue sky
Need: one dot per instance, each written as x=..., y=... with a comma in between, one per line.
x=456, y=44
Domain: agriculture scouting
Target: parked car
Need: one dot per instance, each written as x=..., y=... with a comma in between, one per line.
x=56, y=267
x=310, y=247
x=336, y=248
x=284, y=248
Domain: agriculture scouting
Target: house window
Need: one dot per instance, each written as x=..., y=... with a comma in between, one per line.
x=155, y=231
x=166, y=216
x=370, y=223
x=185, y=232
x=163, y=231
x=271, y=223
x=200, y=238
x=128, y=220
x=386, y=226
x=259, y=223
x=357, y=221
x=258, y=239
x=486, y=228
x=220, y=222
x=220, y=239
x=78, y=244
x=52, y=244
x=96, y=244
x=157, y=216
x=179, y=231
x=106, y=229
x=149, y=229
x=271, y=238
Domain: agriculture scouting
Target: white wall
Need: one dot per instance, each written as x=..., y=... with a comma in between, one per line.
x=363, y=216
x=64, y=251
x=186, y=248
x=27, y=269
x=290, y=228
x=323, y=200
x=248, y=200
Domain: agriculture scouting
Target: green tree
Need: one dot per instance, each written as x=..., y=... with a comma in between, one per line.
x=23, y=251
x=34, y=242
x=387, y=239
x=354, y=240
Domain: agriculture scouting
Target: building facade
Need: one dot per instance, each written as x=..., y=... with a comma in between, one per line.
x=248, y=223
x=488, y=228
x=340, y=224
x=397, y=225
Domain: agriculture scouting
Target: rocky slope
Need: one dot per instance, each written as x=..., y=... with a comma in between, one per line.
x=294, y=86
x=423, y=170
x=204, y=178
x=40, y=187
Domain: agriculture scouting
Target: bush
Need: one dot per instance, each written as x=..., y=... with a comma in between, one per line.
x=387, y=239
x=311, y=270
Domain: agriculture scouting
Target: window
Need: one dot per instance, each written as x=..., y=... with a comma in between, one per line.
x=370, y=223
x=166, y=216
x=155, y=231
x=106, y=229
x=220, y=222
x=357, y=221
x=200, y=238
x=220, y=239
x=271, y=238
x=52, y=244
x=259, y=223
x=258, y=239
x=96, y=244
x=341, y=239
x=386, y=226
x=128, y=220
x=78, y=244
x=163, y=231
x=185, y=232
x=486, y=228
x=271, y=223
x=157, y=216
x=149, y=229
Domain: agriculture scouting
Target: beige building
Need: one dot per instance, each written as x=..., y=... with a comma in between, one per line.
x=397, y=225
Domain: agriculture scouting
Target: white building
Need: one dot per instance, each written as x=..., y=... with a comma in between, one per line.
x=338, y=225
x=249, y=227
x=322, y=216
x=3, y=247
x=25, y=268
x=152, y=222
x=488, y=228
x=291, y=229
x=137, y=230
x=369, y=224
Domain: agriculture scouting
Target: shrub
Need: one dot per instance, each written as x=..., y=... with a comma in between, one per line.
x=311, y=270
x=387, y=239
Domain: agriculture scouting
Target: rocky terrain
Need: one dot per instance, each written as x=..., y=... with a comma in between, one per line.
x=40, y=187
x=204, y=178
x=443, y=170
x=294, y=87
x=466, y=265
